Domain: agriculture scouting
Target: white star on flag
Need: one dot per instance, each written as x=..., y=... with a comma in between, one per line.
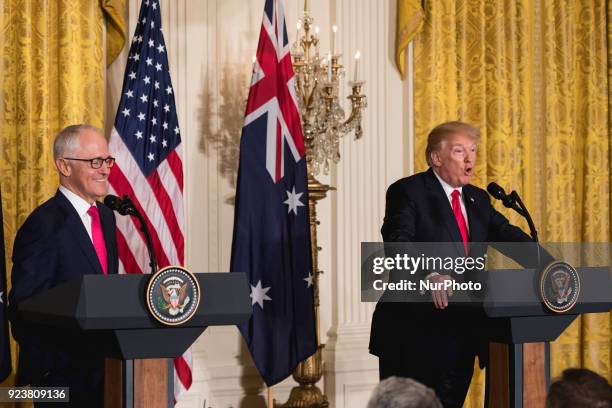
x=293, y=201
x=126, y=112
x=258, y=294
x=309, y=279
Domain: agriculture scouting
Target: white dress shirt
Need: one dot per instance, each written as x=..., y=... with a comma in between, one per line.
x=81, y=206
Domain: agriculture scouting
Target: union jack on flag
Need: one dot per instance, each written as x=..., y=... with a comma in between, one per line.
x=271, y=240
x=146, y=143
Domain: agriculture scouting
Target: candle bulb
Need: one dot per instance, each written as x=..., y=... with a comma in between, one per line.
x=357, y=56
x=297, y=33
x=317, y=41
x=333, y=39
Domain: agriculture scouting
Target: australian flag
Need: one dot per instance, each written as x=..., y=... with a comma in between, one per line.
x=271, y=226
x=5, y=349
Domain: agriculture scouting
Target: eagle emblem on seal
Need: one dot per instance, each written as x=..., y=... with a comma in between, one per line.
x=175, y=296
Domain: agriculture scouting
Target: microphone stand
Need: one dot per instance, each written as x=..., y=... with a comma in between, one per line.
x=131, y=210
x=518, y=206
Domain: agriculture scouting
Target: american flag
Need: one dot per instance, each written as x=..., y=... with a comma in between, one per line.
x=271, y=226
x=146, y=142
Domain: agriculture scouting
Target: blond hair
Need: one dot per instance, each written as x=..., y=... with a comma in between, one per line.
x=441, y=132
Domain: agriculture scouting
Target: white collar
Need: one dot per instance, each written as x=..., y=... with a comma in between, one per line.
x=80, y=205
x=448, y=189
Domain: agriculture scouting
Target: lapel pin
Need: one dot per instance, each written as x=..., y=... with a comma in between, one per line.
x=472, y=199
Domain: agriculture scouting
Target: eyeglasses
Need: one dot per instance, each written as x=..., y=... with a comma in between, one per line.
x=97, y=162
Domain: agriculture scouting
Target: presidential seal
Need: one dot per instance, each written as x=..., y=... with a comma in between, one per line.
x=173, y=295
x=559, y=286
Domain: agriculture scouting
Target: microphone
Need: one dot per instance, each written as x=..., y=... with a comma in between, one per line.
x=115, y=203
x=514, y=202
x=498, y=193
x=125, y=206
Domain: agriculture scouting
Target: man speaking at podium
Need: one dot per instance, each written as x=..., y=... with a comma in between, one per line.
x=66, y=237
x=422, y=341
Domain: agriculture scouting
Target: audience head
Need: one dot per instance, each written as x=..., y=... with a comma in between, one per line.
x=397, y=392
x=579, y=388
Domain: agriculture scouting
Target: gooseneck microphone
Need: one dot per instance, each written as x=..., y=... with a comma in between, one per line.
x=513, y=201
x=125, y=206
x=115, y=203
x=498, y=193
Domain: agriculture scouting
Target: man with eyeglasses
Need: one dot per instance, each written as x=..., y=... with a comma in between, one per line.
x=69, y=235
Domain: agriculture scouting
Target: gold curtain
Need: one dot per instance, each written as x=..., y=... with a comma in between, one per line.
x=53, y=74
x=409, y=22
x=534, y=77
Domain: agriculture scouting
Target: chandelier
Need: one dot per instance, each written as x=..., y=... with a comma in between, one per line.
x=317, y=81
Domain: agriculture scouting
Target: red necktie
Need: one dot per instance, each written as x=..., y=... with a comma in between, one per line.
x=460, y=220
x=98, y=237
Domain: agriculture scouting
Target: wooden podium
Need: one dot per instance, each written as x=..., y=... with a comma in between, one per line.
x=108, y=316
x=520, y=328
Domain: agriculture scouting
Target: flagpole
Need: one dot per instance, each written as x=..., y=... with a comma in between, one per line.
x=270, y=398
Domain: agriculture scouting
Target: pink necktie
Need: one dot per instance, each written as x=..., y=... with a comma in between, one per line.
x=460, y=220
x=98, y=236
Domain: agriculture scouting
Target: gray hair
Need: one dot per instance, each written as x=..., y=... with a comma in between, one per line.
x=397, y=392
x=67, y=140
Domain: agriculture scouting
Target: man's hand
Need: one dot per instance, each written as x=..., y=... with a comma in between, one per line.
x=440, y=297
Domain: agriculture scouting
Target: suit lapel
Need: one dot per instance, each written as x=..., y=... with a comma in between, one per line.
x=443, y=208
x=76, y=227
x=478, y=232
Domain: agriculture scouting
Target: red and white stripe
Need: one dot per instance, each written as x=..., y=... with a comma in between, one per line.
x=159, y=198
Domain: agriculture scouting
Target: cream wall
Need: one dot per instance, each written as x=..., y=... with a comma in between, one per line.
x=210, y=45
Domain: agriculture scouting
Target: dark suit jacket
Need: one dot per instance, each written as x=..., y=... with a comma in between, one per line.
x=53, y=247
x=417, y=210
